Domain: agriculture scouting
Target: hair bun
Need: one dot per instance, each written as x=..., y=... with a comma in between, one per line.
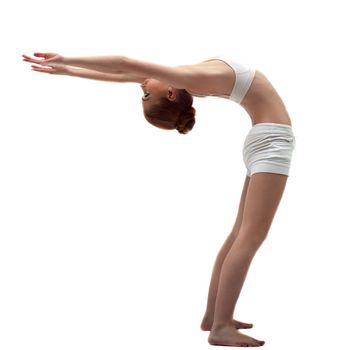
x=186, y=121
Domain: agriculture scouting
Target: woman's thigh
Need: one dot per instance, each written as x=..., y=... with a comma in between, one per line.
x=262, y=199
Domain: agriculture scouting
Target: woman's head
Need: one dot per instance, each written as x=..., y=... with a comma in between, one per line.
x=166, y=107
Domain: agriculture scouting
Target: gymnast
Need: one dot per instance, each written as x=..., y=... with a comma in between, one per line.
x=167, y=103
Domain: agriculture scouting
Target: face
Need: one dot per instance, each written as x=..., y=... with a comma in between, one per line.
x=154, y=90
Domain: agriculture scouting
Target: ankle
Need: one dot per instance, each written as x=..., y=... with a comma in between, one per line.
x=220, y=325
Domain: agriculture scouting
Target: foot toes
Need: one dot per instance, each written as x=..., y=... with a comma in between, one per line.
x=243, y=325
x=256, y=343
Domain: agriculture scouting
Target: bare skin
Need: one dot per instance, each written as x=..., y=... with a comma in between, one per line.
x=261, y=193
x=208, y=318
x=208, y=78
x=260, y=202
x=229, y=336
x=207, y=324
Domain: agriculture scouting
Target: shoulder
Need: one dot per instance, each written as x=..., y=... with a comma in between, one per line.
x=211, y=77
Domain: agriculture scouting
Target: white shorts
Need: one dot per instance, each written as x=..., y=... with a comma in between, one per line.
x=268, y=148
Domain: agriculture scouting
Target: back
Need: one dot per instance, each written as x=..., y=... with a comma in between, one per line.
x=223, y=77
x=243, y=78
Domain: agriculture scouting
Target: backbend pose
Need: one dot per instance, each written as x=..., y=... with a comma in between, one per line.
x=268, y=147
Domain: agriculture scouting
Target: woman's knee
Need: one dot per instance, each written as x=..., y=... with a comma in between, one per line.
x=253, y=235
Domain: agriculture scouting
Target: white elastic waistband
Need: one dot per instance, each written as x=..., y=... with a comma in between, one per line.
x=277, y=125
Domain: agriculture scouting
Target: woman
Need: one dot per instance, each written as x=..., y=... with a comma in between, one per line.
x=167, y=104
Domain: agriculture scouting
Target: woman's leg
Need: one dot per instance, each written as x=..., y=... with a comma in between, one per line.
x=207, y=322
x=263, y=197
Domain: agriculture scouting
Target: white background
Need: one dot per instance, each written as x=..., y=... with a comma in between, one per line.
x=110, y=227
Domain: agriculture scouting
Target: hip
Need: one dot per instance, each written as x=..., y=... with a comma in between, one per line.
x=263, y=136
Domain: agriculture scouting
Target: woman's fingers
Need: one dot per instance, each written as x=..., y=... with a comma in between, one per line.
x=51, y=64
x=42, y=69
x=38, y=54
x=30, y=59
x=47, y=58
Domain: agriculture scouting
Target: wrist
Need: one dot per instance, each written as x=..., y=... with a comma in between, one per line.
x=66, y=61
x=69, y=70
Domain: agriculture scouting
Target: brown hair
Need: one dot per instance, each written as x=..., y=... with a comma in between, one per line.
x=178, y=114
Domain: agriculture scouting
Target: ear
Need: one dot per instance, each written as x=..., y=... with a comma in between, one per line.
x=172, y=93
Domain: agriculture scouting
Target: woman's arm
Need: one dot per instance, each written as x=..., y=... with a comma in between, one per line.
x=115, y=77
x=106, y=64
x=88, y=74
x=181, y=77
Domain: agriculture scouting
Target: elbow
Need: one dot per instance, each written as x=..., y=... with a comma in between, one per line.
x=121, y=64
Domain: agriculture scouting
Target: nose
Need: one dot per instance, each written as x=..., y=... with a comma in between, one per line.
x=144, y=83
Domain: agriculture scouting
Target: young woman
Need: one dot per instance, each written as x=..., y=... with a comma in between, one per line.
x=268, y=147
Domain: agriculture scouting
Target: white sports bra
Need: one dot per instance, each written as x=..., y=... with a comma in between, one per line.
x=244, y=76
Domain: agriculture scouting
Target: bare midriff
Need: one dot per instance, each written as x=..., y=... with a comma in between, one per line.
x=263, y=103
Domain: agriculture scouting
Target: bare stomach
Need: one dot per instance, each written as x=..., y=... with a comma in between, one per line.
x=263, y=104
x=261, y=115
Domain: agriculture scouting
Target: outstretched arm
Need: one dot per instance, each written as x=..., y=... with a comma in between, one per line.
x=108, y=64
x=105, y=64
x=115, y=77
x=91, y=74
x=182, y=77
x=55, y=64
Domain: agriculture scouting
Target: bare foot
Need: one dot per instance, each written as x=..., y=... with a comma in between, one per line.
x=229, y=336
x=206, y=324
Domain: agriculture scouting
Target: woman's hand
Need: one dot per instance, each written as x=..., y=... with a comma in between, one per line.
x=61, y=70
x=53, y=58
x=54, y=63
